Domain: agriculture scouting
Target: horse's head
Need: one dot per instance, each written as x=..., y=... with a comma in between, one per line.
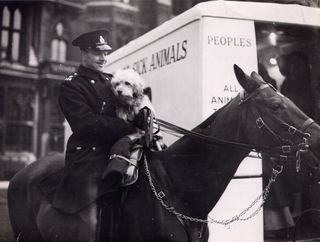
x=273, y=123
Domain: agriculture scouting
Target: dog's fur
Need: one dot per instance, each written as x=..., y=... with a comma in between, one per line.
x=128, y=86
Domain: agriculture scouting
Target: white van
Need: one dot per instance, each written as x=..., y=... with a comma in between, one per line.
x=188, y=62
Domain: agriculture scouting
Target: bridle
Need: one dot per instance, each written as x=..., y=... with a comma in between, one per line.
x=288, y=148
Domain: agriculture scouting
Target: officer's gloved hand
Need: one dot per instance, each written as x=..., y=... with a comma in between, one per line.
x=139, y=119
x=117, y=166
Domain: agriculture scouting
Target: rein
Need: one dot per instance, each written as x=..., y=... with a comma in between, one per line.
x=282, y=151
x=208, y=139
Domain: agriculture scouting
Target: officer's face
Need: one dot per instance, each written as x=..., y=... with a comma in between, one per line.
x=95, y=59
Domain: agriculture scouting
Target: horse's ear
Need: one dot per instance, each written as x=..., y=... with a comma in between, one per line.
x=147, y=91
x=257, y=77
x=249, y=83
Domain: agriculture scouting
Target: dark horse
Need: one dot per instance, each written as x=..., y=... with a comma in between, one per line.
x=187, y=178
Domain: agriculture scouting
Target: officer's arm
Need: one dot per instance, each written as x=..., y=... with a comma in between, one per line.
x=84, y=121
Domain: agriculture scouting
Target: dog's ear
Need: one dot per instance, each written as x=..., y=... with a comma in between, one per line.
x=138, y=89
x=147, y=91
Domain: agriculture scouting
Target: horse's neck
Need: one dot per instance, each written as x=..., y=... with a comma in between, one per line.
x=200, y=171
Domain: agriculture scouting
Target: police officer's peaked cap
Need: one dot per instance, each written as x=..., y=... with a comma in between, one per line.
x=95, y=40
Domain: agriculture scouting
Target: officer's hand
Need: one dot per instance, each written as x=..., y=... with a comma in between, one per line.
x=140, y=118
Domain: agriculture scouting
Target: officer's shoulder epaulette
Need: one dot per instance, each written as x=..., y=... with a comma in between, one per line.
x=70, y=77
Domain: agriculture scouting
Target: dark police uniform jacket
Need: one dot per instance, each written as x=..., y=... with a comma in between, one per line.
x=87, y=101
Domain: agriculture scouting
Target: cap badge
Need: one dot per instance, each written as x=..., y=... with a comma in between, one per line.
x=102, y=39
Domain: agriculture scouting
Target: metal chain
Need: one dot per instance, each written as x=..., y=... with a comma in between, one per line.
x=160, y=195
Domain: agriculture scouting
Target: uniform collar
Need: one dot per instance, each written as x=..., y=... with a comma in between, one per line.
x=92, y=74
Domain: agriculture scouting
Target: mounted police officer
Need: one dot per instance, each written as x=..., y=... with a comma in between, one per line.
x=87, y=102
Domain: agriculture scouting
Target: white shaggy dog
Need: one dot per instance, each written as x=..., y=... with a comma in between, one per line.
x=127, y=86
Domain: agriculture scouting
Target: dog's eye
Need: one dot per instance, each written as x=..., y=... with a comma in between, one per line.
x=127, y=83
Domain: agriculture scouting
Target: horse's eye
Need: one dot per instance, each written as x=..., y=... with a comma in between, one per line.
x=276, y=106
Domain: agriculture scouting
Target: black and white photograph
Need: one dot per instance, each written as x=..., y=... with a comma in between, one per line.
x=159, y=121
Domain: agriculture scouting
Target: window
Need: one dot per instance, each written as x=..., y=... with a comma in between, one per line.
x=58, y=45
x=19, y=119
x=16, y=119
x=17, y=128
x=11, y=29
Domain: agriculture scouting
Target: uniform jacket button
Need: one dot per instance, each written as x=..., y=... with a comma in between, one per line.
x=93, y=148
x=93, y=81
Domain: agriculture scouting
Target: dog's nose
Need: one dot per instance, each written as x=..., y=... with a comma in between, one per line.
x=119, y=92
